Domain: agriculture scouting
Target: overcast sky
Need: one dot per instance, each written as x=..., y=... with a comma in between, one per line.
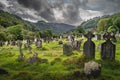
x=60, y=11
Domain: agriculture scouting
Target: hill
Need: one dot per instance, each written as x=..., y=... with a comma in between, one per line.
x=92, y=23
x=55, y=27
x=7, y=20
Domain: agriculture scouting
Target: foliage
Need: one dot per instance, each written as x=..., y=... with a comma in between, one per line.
x=101, y=26
x=2, y=36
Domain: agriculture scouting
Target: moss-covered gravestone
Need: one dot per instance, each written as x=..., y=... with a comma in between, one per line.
x=89, y=46
x=108, y=48
x=67, y=49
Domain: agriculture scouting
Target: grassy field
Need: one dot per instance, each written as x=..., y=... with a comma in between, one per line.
x=56, y=65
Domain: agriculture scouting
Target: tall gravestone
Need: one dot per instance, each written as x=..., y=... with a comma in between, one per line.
x=89, y=46
x=108, y=48
x=21, y=57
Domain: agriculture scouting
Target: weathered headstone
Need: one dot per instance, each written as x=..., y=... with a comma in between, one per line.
x=33, y=59
x=76, y=45
x=39, y=43
x=98, y=37
x=21, y=57
x=30, y=49
x=89, y=46
x=67, y=49
x=92, y=69
x=108, y=48
x=25, y=43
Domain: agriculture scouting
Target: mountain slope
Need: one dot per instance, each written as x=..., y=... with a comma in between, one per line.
x=7, y=20
x=55, y=27
x=92, y=23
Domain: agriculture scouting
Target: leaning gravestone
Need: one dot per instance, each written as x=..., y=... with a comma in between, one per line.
x=67, y=49
x=89, y=46
x=21, y=57
x=108, y=48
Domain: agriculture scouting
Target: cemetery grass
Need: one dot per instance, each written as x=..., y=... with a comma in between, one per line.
x=57, y=66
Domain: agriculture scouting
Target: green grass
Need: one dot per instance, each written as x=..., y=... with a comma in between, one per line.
x=59, y=66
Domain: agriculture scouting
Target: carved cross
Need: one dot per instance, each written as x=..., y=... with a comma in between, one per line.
x=107, y=36
x=89, y=35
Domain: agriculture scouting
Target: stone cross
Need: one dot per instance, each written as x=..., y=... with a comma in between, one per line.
x=89, y=46
x=108, y=48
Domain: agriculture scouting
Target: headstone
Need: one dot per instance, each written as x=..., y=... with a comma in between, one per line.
x=33, y=59
x=25, y=43
x=108, y=48
x=89, y=46
x=30, y=49
x=39, y=44
x=98, y=37
x=76, y=45
x=75, y=38
x=6, y=43
x=21, y=57
x=67, y=49
x=117, y=36
x=92, y=69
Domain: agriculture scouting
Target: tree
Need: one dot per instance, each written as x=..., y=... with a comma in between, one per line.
x=16, y=31
x=113, y=29
x=2, y=37
x=80, y=29
x=102, y=25
x=116, y=23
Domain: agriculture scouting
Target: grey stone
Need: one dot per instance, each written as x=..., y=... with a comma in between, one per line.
x=76, y=45
x=33, y=59
x=89, y=46
x=108, y=48
x=92, y=69
x=67, y=49
x=21, y=57
x=98, y=37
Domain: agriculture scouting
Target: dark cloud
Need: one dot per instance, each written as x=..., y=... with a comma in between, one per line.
x=67, y=11
x=2, y=6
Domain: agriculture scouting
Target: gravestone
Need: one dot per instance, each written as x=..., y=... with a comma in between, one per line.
x=98, y=37
x=60, y=40
x=67, y=49
x=30, y=49
x=25, y=44
x=33, y=59
x=76, y=45
x=108, y=48
x=39, y=43
x=21, y=57
x=92, y=69
x=89, y=46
